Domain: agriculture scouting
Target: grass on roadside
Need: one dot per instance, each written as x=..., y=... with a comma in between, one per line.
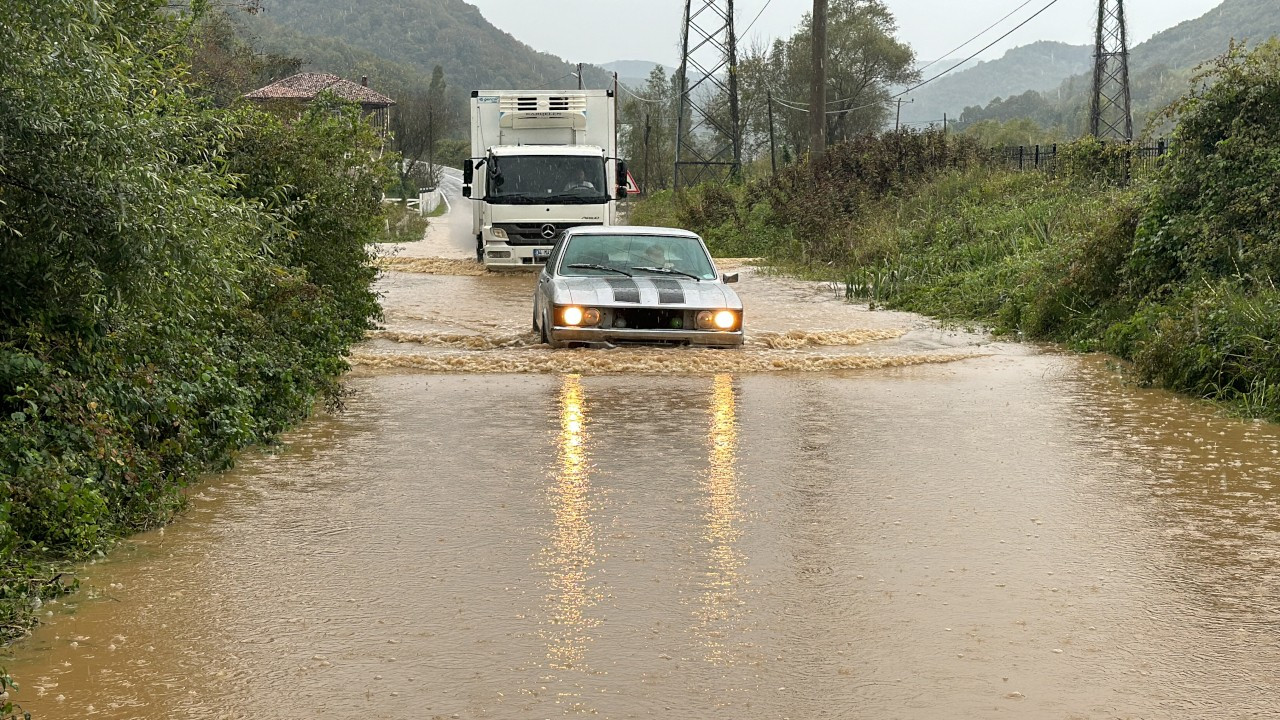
x=404, y=224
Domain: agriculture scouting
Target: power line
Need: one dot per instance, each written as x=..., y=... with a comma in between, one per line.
x=921, y=84
x=766, y=7
x=553, y=82
x=975, y=37
x=628, y=91
x=989, y=45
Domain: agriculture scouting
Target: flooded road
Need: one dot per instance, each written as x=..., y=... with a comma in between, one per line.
x=856, y=516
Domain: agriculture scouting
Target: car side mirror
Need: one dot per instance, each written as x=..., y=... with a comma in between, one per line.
x=728, y=277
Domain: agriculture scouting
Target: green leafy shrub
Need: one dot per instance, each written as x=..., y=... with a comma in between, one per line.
x=1213, y=211
x=182, y=281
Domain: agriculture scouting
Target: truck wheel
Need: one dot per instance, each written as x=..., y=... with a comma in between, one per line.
x=479, y=248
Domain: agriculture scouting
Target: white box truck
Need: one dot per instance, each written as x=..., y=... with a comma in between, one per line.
x=541, y=162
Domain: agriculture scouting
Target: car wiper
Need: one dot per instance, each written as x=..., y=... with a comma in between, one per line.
x=668, y=271
x=591, y=266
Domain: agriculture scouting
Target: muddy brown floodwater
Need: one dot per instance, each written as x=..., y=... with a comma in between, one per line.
x=856, y=516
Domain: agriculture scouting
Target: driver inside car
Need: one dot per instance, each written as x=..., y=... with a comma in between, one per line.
x=656, y=256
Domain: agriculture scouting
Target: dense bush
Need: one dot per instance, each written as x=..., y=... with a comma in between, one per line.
x=809, y=212
x=1214, y=211
x=1173, y=269
x=180, y=281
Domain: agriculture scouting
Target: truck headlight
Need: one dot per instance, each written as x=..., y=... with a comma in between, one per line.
x=498, y=233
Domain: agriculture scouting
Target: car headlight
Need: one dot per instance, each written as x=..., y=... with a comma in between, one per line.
x=575, y=316
x=716, y=320
x=498, y=233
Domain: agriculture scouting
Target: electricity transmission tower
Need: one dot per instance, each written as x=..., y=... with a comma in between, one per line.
x=1110, y=111
x=708, y=135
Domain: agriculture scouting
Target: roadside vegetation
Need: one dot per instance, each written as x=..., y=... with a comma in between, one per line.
x=181, y=280
x=404, y=224
x=1172, y=269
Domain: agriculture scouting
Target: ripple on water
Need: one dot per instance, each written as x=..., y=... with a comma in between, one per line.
x=433, y=266
x=465, y=341
x=638, y=360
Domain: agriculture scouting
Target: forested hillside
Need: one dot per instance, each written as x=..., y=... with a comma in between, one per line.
x=342, y=36
x=1038, y=66
x=1159, y=69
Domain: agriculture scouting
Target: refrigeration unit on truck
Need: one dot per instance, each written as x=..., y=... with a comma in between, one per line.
x=541, y=163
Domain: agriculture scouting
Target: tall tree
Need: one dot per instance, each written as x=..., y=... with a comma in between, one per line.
x=420, y=121
x=648, y=131
x=224, y=64
x=864, y=59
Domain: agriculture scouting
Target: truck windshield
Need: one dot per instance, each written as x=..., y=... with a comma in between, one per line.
x=547, y=180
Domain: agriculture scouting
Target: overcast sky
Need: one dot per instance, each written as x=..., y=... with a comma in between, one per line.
x=600, y=31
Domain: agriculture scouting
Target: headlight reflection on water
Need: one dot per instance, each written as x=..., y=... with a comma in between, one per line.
x=719, y=603
x=571, y=553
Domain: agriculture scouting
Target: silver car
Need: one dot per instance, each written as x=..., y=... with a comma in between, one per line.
x=615, y=285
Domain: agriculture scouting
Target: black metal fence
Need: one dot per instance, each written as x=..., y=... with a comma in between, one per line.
x=1050, y=158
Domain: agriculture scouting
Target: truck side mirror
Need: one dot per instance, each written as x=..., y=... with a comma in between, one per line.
x=622, y=178
x=468, y=175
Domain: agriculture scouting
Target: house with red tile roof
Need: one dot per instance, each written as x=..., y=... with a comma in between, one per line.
x=304, y=87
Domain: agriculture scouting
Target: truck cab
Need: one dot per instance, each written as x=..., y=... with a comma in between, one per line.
x=542, y=163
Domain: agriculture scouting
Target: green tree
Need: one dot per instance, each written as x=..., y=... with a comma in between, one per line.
x=1019, y=131
x=865, y=60
x=648, y=131
x=1213, y=212
x=224, y=64
x=420, y=123
x=181, y=280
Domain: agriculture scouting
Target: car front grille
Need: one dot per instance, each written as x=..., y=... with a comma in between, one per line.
x=648, y=319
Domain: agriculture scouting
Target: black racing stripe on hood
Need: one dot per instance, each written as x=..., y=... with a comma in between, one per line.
x=624, y=290
x=670, y=292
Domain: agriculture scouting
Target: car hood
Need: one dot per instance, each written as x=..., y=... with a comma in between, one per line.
x=670, y=292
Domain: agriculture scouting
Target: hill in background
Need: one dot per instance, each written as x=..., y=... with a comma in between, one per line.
x=1159, y=69
x=397, y=43
x=1039, y=66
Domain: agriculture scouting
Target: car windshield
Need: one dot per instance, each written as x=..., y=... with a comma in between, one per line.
x=547, y=179
x=638, y=255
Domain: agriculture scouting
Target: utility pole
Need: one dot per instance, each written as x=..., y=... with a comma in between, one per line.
x=773, y=148
x=708, y=144
x=580, y=75
x=648, y=127
x=1111, y=110
x=818, y=90
x=897, y=121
